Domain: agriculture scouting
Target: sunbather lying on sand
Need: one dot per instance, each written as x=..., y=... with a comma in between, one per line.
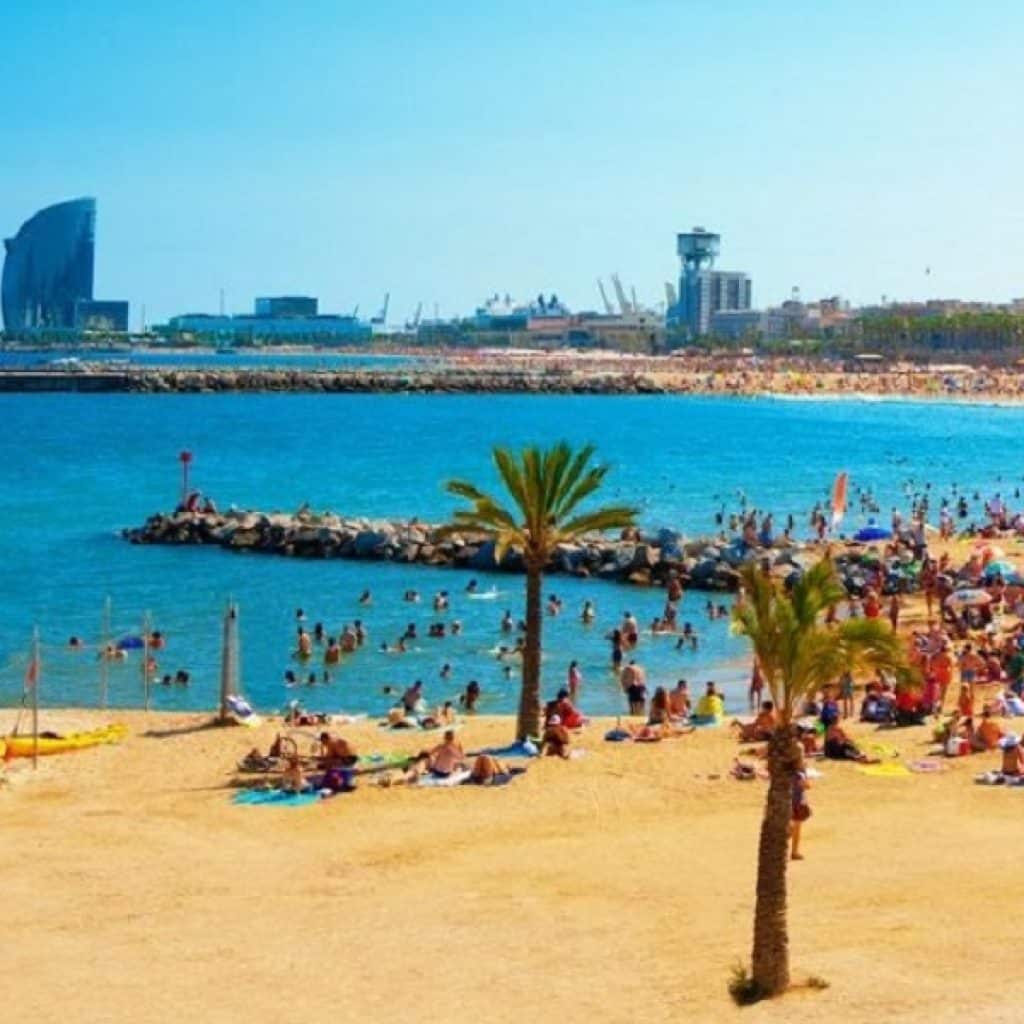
x=839, y=747
x=761, y=728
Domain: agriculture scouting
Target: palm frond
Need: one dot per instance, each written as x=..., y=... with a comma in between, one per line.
x=611, y=517
x=563, y=506
x=464, y=489
x=512, y=477
x=796, y=651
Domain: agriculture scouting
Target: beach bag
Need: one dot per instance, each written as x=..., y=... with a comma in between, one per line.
x=801, y=812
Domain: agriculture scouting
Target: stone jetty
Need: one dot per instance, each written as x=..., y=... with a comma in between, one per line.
x=446, y=380
x=638, y=557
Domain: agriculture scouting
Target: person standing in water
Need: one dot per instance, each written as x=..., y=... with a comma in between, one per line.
x=574, y=680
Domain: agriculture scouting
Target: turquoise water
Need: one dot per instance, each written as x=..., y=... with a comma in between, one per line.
x=78, y=468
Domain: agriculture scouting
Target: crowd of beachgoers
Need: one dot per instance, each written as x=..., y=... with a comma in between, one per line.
x=963, y=622
x=954, y=590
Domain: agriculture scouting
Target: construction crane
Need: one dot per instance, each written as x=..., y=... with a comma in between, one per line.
x=382, y=316
x=620, y=294
x=355, y=312
x=670, y=295
x=636, y=305
x=604, y=298
x=416, y=317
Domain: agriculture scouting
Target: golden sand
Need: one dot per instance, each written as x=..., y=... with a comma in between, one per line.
x=615, y=887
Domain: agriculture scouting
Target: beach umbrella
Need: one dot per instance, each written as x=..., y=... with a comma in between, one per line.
x=872, y=532
x=1000, y=567
x=969, y=598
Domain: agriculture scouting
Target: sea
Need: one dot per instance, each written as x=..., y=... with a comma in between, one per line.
x=77, y=469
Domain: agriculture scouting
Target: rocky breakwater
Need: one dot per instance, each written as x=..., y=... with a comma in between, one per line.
x=641, y=558
x=494, y=380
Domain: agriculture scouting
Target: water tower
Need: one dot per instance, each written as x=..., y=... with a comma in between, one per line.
x=697, y=251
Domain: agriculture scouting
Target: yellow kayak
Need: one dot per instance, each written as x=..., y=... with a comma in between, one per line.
x=22, y=746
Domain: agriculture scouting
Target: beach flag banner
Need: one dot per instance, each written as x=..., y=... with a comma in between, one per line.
x=839, y=499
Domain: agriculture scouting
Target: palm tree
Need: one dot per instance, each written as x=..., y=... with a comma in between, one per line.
x=546, y=488
x=797, y=654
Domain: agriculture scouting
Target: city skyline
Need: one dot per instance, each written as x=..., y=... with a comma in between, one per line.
x=442, y=157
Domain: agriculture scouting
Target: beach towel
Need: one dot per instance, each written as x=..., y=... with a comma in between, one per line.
x=882, y=750
x=501, y=779
x=525, y=749
x=387, y=760
x=437, y=782
x=276, y=797
x=998, y=779
x=884, y=771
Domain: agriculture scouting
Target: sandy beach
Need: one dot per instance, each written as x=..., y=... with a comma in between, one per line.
x=617, y=887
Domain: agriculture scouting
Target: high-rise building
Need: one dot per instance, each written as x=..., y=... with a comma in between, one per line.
x=704, y=291
x=48, y=267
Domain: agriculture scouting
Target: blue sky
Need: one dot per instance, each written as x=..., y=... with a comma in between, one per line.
x=443, y=151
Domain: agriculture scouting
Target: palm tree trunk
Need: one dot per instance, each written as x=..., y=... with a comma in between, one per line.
x=528, y=721
x=770, y=960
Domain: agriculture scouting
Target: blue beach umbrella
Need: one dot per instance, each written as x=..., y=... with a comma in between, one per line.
x=872, y=532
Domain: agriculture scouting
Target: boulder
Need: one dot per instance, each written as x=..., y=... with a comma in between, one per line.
x=645, y=557
x=482, y=559
x=703, y=572
x=671, y=543
x=367, y=542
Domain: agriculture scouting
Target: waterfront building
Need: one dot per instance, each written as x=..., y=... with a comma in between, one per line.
x=48, y=267
x=286, y=305
x=106, y=315
x=283, y=318
x=704, y=291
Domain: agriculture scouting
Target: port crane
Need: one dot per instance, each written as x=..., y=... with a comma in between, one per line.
x=382, y=316
x=620, y=294
x=604, y=298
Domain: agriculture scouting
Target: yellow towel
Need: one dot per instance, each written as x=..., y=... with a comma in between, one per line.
x=890, y=771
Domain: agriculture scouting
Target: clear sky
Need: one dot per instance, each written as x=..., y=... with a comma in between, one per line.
x=443, y=151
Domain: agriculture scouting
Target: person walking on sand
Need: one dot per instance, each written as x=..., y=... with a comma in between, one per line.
x=894, y=611
x=801, y=808
x=756, y=686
